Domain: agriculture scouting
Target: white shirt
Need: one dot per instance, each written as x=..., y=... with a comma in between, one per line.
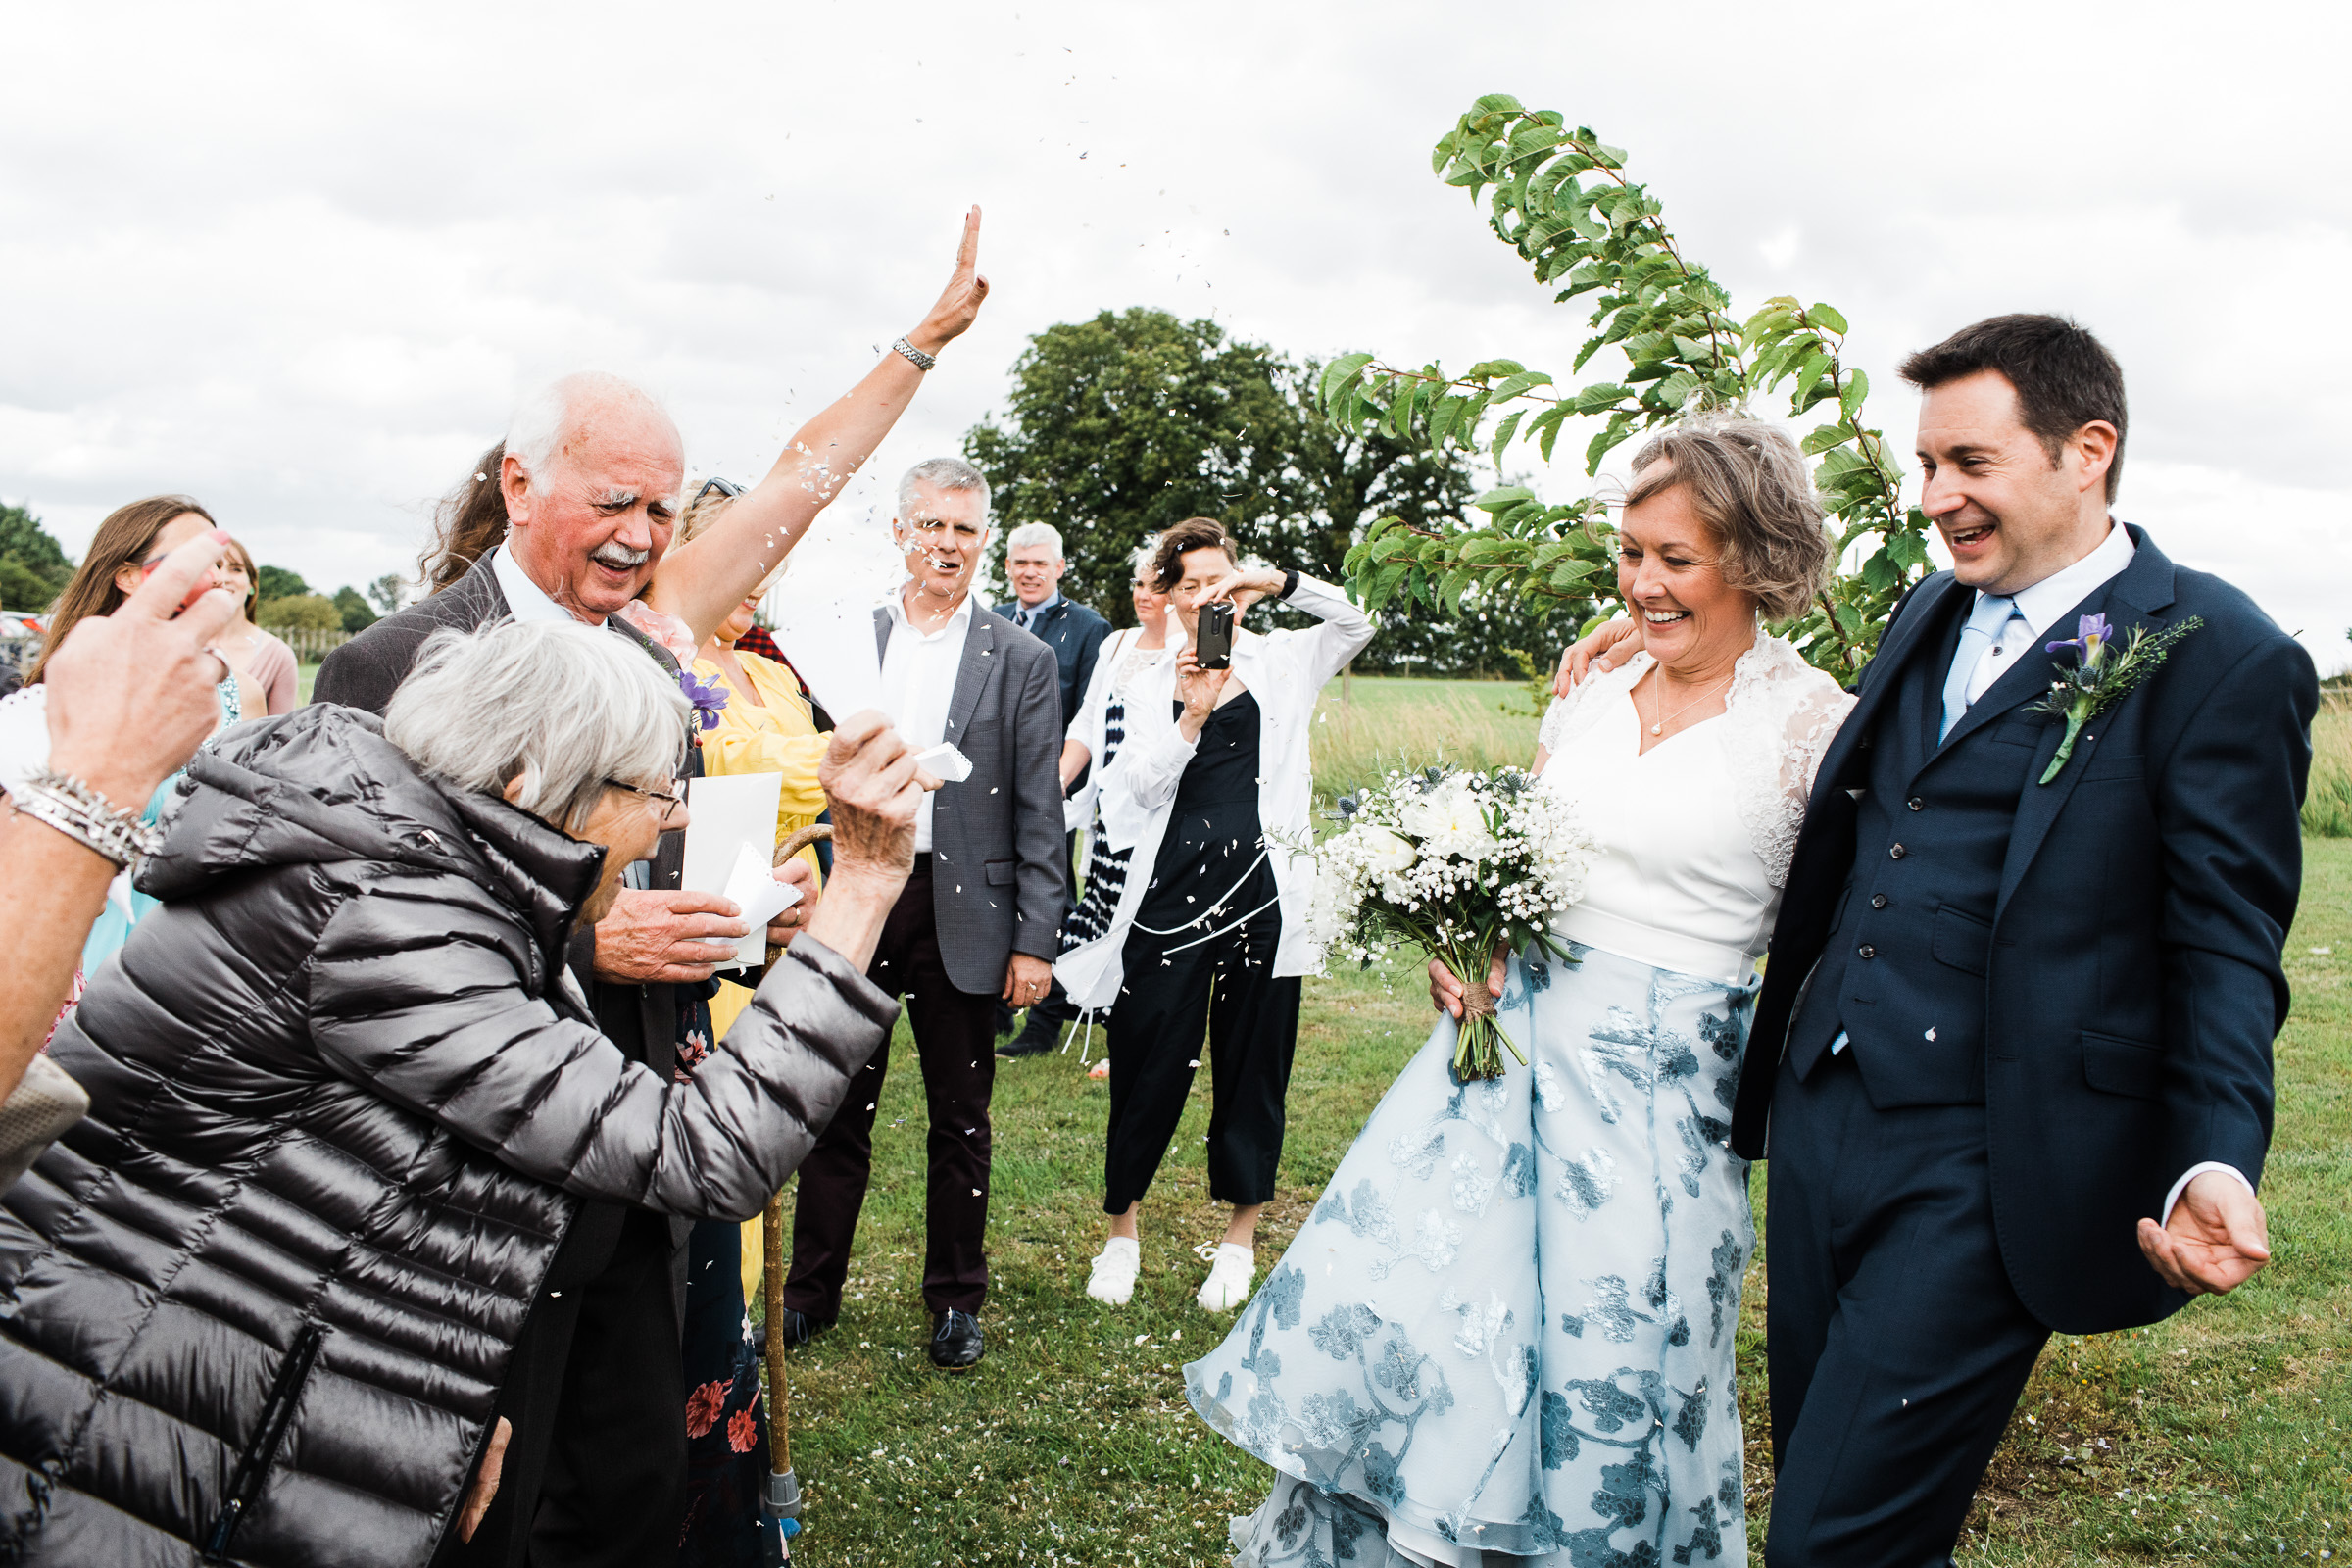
x=918, y=682
x=526, y=599
x=2041, y=605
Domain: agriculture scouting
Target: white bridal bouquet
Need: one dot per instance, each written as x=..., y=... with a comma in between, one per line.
x=1460, y=863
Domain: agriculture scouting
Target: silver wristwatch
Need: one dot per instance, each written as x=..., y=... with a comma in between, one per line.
x=87, y=816
x=922, y=360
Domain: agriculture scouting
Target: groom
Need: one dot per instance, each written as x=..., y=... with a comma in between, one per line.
x=2014, y=1045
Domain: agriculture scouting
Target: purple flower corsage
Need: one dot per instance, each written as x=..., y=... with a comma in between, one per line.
x=709, y=697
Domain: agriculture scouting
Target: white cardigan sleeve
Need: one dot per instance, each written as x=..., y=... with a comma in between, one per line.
x=1323, y=651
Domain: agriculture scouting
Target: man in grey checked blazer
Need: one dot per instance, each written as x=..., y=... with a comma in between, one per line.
x=979, y=919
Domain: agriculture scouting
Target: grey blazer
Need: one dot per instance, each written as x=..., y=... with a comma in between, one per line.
x=997, y=854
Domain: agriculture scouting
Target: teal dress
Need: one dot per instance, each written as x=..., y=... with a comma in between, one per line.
x=126, y=905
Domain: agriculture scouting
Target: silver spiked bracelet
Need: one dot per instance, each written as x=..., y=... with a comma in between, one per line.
x=89, y=819
x=922, y=360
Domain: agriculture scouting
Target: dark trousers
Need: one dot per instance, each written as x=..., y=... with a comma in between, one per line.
x=1897, y=1345
x=1155, y=1038
x=955, y=1044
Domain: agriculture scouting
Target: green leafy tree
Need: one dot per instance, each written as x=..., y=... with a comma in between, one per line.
x=385, y=592
x=1119, y=426
x=33, y=568
x=357, y=617
x=277, y=583
x=1560, y=198
x=299, y=611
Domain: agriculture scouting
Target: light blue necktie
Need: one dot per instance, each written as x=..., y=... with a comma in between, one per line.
x=1985, y=628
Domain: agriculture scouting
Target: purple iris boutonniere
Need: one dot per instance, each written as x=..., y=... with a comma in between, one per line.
x=709, y=697
x=2104, y=672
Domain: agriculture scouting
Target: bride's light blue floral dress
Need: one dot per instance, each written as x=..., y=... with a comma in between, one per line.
x=1506, y=1330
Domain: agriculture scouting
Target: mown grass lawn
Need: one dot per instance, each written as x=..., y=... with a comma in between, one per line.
x=2224, y=1434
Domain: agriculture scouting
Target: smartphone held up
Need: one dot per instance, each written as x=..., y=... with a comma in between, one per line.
x=1213, y=643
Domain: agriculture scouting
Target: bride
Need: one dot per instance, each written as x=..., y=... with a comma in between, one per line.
x=1506, y=1331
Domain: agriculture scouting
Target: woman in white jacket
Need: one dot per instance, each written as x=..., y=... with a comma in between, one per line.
x=1211, y=788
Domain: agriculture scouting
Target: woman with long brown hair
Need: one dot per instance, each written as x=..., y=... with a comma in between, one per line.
x=130, y=545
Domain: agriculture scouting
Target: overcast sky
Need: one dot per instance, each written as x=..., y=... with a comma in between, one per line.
x=300, y=262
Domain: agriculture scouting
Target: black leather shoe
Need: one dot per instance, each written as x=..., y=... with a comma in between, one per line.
x=956, y=1342
x=1037, y=1036
x=800, y=1328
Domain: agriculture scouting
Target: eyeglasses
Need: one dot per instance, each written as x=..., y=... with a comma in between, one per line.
x=716, y=486
x=670, y=803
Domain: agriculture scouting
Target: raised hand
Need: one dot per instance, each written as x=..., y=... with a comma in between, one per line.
x=131, y=695
x=960, y=302
x=2217, y=1239
x=1600, y=650
x=1245, y=587
x=1197, y=689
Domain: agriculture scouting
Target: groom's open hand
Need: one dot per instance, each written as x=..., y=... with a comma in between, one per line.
x=2217, y=1239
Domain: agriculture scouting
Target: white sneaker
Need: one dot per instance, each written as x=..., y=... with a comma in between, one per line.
x=1230, y=1274
x=1112, y=1282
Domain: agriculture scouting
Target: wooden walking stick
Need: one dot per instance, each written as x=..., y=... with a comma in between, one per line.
x=781, y=1504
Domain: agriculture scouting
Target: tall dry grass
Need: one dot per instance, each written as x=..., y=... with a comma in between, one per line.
x=2327, y=803
x=1357, y=743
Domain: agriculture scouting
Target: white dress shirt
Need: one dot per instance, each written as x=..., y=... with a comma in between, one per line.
x=918, y=681
x=2038, y=610
x=526, y=599
x=2039, y=606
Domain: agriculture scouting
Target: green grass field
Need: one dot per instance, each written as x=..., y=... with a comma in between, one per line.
x=2220, y=1435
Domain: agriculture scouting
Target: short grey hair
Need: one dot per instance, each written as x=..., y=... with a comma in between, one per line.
x=1034, y=533
x=541, y=421
x=1748, y=485
x=943, y=473
x=561, y=705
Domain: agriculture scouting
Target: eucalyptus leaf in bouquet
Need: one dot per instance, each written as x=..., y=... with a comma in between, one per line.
x=1457, y=862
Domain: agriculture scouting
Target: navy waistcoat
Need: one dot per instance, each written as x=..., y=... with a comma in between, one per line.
x=1903, y=970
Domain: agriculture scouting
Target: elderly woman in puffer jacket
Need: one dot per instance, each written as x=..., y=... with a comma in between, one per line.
x=346, y=1097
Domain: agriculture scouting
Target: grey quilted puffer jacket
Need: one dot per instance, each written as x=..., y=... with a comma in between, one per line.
x=345, y=1099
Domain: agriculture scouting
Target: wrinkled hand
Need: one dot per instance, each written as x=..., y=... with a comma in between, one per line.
x=1596, y=651
x=2217, y=1239
x=485, y=1481
x=1198, y=688
x=1243, y=587
x=870, y=778
x=666, y=938
x=1445, y=991
x=784, y=927
x=1026, y=980
x=131, y=695
x=960, y=302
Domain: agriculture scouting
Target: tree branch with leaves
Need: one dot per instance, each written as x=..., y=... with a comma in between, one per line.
x=1561, y=199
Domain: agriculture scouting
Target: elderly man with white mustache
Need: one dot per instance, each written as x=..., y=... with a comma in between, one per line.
x=591, y=480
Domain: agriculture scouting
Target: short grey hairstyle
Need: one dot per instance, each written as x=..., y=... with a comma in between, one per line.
x=1749, y=486
x=541, y=421
x=943, y=473
x=1034, y=533
x=561, y=705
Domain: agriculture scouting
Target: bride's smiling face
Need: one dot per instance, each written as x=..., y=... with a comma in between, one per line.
x=1667, y=568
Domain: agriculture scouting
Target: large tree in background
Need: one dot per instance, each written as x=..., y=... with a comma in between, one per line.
x=1121, y=425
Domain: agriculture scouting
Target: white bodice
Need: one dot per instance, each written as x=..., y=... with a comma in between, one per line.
x=1693, y=836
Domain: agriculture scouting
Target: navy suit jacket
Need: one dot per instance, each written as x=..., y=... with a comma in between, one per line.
x=1075, y=633
x=2135, y=983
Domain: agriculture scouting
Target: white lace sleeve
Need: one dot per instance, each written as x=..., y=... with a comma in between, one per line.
x=1781, y=715
x=1571, y=716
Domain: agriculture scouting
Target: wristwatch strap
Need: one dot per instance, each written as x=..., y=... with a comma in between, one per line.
x=922, y=360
